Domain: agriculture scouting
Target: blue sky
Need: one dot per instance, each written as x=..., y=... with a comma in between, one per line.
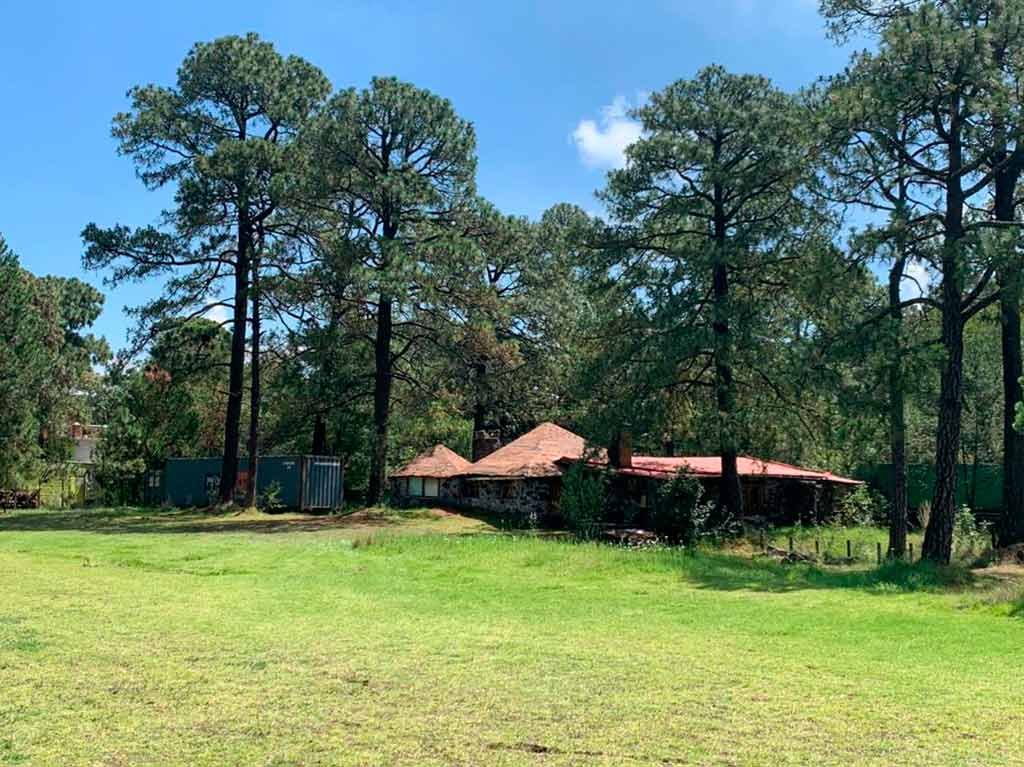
x=545, y=84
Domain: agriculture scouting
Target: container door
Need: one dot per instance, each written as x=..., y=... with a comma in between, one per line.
x=322, y=482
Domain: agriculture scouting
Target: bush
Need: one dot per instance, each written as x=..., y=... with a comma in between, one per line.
x=270, y=499
x=862, y=506
x=971, y=539
x=680, y=514
x=583, y=500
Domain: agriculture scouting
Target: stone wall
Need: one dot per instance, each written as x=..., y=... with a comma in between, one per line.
x=532, y=499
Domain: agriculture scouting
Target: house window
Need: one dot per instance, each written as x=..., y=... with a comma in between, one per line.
x=416, y=486
x=431, y=488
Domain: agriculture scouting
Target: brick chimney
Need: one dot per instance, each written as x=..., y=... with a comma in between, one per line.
x=620, y=452
x=484, y=443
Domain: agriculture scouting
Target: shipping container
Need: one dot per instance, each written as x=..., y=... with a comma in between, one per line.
x=305, y=482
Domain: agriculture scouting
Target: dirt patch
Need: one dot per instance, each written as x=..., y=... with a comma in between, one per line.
x=1004, y=571
x=1011, y=555
x=179, y=521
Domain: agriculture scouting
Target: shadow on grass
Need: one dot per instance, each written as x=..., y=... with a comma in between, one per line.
x=729, y=572
x=709, y=568
x=121, y=521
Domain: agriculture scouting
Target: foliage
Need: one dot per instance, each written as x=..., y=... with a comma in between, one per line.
x=718, y=307
x=270, y=498
x=45, y=365
x=392, y=169
x=173, y=399
x=971, y=539
x=120, y=462
x=223, y=138
x=941, y=95
x=680, y=513
x=713, y=247
x=862, y=506
x=582, y=503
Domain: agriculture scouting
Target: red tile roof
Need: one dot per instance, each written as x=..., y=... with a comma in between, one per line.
x=535, y=454
x=711, y=466
x=543, y=452
x=439, y=462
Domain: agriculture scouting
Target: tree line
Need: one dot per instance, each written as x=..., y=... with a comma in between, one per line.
x=333, y=279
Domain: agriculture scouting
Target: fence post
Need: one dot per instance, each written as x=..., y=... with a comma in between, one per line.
x=878, y=549
x=910, y=547
x=791, y=544
x=817, y=548
x=849, y=549
x=764, y=548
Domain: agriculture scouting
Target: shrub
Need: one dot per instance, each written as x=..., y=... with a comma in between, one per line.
x=862, y=506
x=271, y=497
x=583, y=499
x=680, y=514
x=971, y=538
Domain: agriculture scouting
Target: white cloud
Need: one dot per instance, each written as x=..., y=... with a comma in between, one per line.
x=219, y=314
x=602, y=143
x=916, y=281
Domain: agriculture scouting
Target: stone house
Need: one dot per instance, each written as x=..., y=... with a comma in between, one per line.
x=432, y=477
x=524, y=478
x=521, y=478
x=776, y=491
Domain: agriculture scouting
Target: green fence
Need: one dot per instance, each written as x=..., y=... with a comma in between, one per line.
x=978, y=486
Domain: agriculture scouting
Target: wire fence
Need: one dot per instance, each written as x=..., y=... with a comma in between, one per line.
x=832, y=550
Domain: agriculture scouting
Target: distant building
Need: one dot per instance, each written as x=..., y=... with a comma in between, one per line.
x=525, y=478
x=86, y=437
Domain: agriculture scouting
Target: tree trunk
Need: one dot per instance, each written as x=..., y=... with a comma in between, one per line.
x=233, y=416
x=255, y=392
x=938, y=538
x=319, y=436
x=898, y=511
x=1011, y=527
x=730, y=493
x=381, y=400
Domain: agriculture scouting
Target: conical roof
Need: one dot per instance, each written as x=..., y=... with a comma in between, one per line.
x=437, y=462
x=535, y=454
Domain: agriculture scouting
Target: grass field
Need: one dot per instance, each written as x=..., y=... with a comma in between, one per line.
x=136, y=638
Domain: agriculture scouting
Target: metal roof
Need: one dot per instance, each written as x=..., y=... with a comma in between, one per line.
x=711, y=467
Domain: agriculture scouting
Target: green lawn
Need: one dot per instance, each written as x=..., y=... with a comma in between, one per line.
x=132, y=638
